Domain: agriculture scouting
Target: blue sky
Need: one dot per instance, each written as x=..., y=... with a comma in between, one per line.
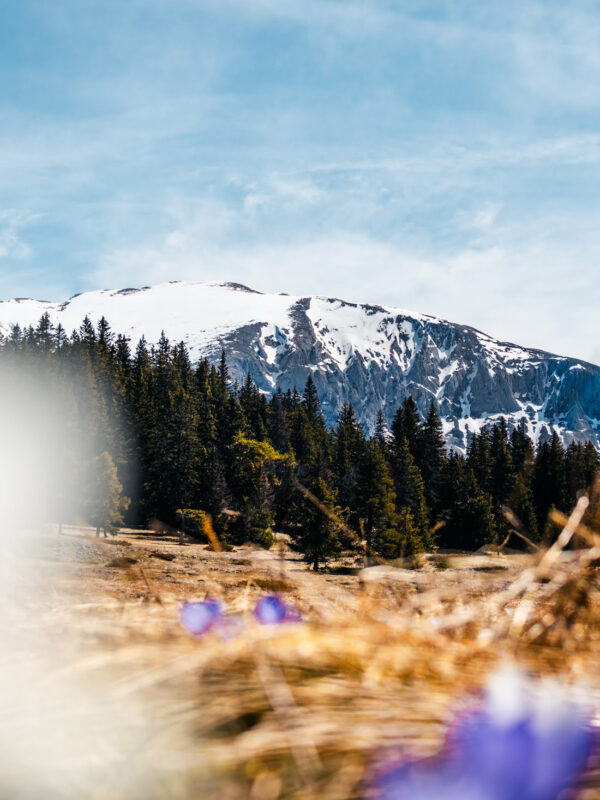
x=440, y=156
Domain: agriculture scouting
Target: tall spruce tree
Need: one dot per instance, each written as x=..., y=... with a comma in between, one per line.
x=193, y=440
x=376, y=498
x=410, y=493
x=432, y=457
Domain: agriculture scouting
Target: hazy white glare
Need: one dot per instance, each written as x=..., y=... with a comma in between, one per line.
x=62, y=734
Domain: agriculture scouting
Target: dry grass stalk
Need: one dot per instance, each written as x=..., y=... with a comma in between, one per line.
x=300, y=711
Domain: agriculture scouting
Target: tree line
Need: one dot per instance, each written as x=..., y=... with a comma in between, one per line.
x=148, y=435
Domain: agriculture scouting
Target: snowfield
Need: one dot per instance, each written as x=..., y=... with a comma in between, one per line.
x=369, y=355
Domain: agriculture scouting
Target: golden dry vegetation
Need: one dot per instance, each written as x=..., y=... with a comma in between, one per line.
x=128, y=705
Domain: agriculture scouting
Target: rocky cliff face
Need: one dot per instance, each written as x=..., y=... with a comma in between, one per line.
x=371, y=356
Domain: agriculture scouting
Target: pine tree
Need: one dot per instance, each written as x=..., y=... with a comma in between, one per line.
x=521, y=448
x=105, y=499
x=87, y=334
x=469, y=518
x=199, y=442
x=310, y=400
x=479, y=519
x=520, y=503
x=142, y=403
x=348, y=449
x=479, y=459
x=453, y=496
x=316, y=532
x=502, y=464
x=279, y=431
x=432, y=456
x=381, y=431
x=410, y=492
x=407, y=425
x=549, y=479
x=44, y=334
x=376, y=497
x=254, y=476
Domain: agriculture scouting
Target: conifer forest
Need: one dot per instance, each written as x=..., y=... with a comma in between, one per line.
x=169, y=442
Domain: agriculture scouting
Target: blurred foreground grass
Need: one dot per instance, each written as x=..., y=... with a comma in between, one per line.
x=107, y=698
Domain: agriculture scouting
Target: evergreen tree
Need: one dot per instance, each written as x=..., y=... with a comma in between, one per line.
x=381, y=431
x=520, y=503
x=479, y=519
x=310, y=400
x=316, y=532
x=254, y=476
x=521, y=448
x=348, y=450
x=432, y=456
x=479, y=459
x=279, y=431
x=376, y=498
x=549, y=479
x=469, y=520
x=502, y=464
x=410, y=493
x=406, y=425
x=176, y=436
x=106, y=501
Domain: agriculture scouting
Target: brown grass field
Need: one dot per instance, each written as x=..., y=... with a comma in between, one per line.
x=111, y=700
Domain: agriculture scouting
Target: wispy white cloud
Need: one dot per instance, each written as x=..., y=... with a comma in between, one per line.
x=486, y=216
x=294, y=190
x=12, y=242
x=517, y=291
x=557, y=51
x=443, y=156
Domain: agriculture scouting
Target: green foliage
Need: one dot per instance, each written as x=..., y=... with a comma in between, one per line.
x=315, y=532
x=410, y=491
x=107, y=503
x=254, y=477
x=181, y=437
x=376, y=497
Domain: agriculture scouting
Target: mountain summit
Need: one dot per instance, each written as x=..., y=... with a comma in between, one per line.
x=369, y=355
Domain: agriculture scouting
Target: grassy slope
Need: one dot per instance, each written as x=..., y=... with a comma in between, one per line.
x=383, y=660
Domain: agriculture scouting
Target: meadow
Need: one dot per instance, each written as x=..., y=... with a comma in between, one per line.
x=123, y=703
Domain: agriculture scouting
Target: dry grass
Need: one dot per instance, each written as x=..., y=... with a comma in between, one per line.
x=382, y=662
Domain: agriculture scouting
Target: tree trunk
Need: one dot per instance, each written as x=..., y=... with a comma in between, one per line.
x=97, y=530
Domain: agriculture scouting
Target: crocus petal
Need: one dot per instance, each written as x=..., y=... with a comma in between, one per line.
x=527, y=742
x=496, y=758
x=272, y=610
x=423, y=781
x=564, y=744
x=198, y=617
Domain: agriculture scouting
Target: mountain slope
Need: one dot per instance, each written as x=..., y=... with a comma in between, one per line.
x=369, y=355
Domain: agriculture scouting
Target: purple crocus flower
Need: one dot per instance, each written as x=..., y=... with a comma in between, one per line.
x=272, y=610
x=526, y=743
x=422, y=781
x=199, y=616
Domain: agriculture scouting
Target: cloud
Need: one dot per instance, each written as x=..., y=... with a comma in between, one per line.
x=557, y=51
x=432, y=154
x=294, y=191
x=517, y=291
x=12, y=244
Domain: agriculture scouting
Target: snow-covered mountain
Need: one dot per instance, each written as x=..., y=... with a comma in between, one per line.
x=372, y=356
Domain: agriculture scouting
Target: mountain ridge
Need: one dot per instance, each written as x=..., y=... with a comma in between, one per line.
x=367, y=354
